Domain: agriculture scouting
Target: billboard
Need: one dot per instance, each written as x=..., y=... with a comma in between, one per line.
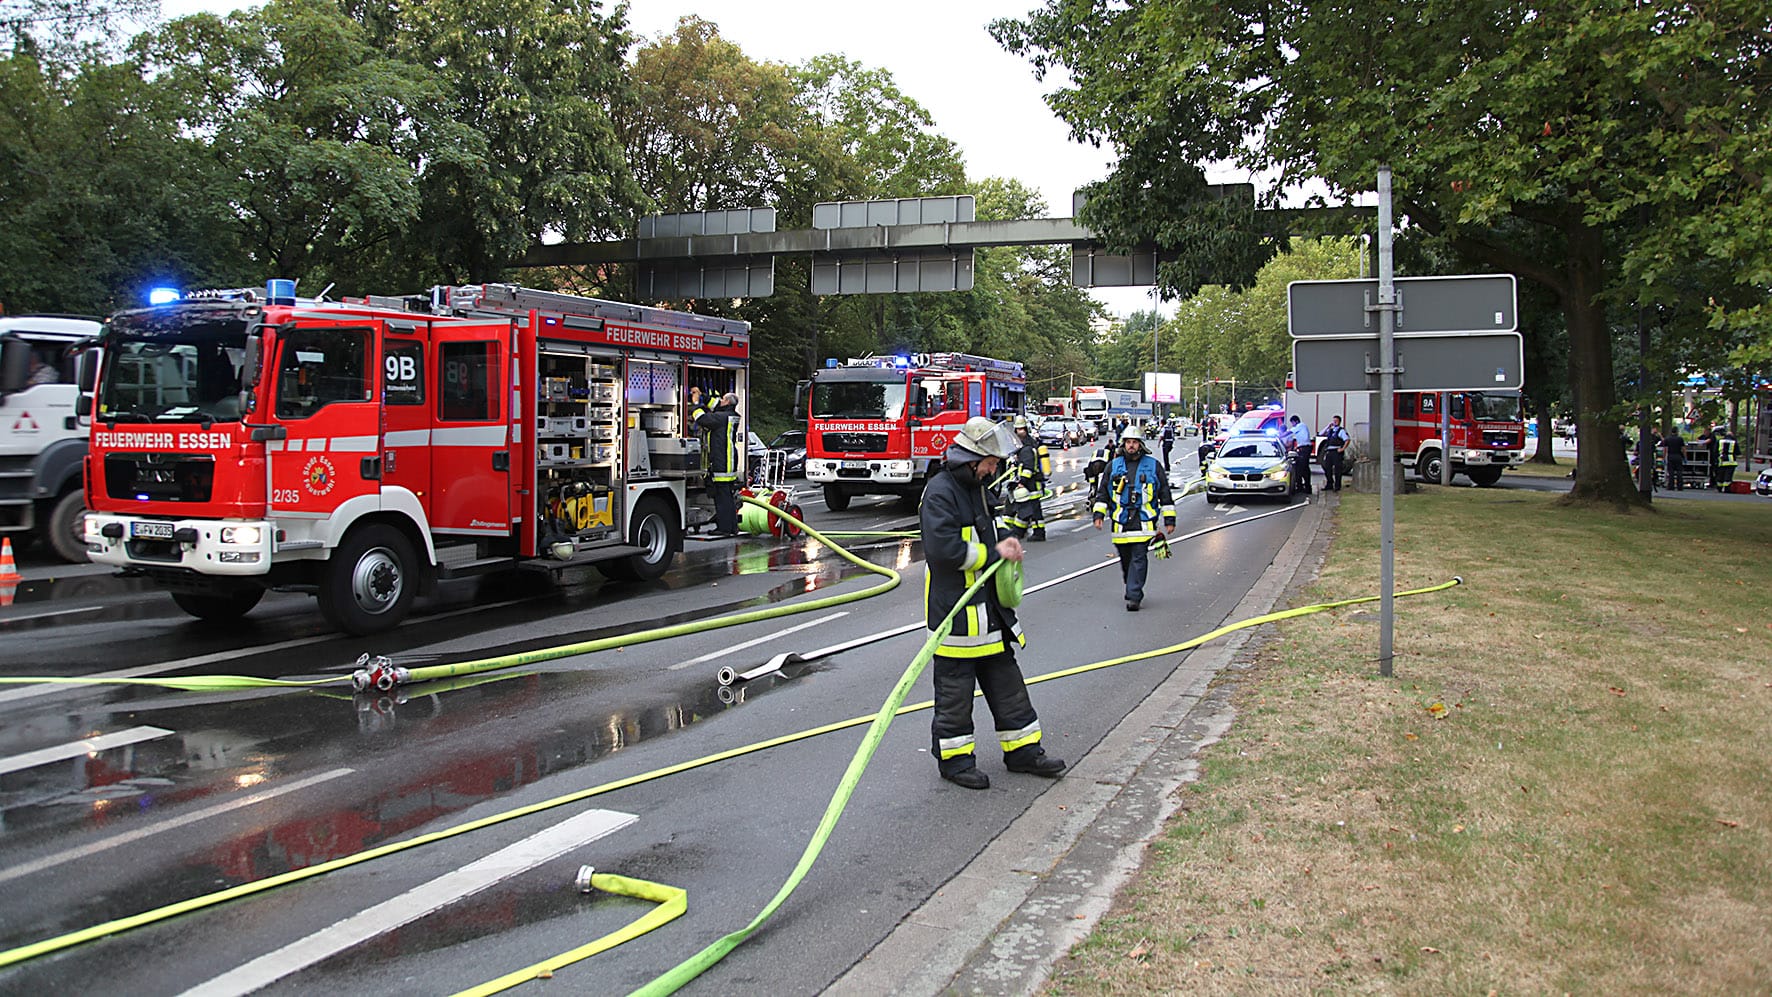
x=1160, y=387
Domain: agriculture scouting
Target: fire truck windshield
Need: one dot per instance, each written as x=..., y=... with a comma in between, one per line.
x=164, y=369
x=855, y=399
x=1496, y=408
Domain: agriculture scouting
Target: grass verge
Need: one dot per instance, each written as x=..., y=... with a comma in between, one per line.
x=1563, y=789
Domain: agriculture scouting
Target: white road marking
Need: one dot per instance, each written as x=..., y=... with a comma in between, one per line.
x=84, y=746
x=766, y=638
x=45, y=616
x=50, y=688
x=86, y=851
x=416, y=902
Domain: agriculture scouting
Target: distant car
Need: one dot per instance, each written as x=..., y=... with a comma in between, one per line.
x=1763, y=483
x=1249, y=465
x=1061, y=432
x=794, y=443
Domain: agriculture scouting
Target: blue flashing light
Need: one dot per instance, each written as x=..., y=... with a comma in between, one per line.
x=830, y=361
x=162, y=295
x=901, y=361
x=280, y=291
x=141, y=497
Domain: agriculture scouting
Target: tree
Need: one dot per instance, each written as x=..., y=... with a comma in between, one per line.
x=1570, y=122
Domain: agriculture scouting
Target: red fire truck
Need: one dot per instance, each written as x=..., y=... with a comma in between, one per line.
x=879, y=425
x=363, y=449
x=1488, y=434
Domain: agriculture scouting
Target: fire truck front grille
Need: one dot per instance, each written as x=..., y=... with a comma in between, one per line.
x=159, y=477
x=855, y=442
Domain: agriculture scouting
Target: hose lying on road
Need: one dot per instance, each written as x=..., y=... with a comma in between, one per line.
x=431, y=673
x=698, y=963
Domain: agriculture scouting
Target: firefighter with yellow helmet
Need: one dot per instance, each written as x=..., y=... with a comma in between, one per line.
x=1031, y=469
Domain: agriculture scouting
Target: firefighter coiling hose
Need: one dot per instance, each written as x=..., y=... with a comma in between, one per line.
x=670, y=900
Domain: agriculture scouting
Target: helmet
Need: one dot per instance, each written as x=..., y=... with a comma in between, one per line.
x=984, y=438
x=1132, y=433
x=1021, y=422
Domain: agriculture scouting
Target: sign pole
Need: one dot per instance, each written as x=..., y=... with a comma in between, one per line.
x=1387, y=444
x=1446, y=438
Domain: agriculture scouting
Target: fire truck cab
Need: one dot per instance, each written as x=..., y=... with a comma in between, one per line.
x=880, y=425
x=1486, y=433
x=363, y=449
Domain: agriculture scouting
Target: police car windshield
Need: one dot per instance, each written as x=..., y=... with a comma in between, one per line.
x=1252, y=448
x=158, y=369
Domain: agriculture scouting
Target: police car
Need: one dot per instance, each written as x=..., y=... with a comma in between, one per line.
x=1249, y=465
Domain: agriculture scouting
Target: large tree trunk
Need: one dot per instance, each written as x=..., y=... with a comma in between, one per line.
x=1602, y=473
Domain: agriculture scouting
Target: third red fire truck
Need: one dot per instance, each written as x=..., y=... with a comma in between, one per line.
x=1488, y=435
x=361, y=450
x=879, y=425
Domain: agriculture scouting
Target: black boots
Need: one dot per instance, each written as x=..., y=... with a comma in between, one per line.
x=970, y=778
x=1041, y=764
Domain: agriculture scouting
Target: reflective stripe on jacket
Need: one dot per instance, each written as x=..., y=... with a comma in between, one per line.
x=959, y=541
x=721, y=424
x=1132, y=499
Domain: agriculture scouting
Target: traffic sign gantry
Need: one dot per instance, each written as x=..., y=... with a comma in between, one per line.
x=1466, y=304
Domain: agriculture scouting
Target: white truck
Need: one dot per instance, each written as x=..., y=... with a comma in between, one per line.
x=42, y=433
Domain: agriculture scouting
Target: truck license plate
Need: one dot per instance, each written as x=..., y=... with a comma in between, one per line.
x=855, y=465
x=152, y=531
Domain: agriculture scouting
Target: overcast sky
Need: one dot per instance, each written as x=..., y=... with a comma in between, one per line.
x=984, y=99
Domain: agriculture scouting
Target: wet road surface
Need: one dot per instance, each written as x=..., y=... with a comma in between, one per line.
x=204, y=791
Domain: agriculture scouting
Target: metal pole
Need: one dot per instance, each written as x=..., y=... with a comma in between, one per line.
x=1387, y=444
x=1445, y=438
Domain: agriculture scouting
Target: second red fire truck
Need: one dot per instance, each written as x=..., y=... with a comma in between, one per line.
x=879, y=425
x=362, y=450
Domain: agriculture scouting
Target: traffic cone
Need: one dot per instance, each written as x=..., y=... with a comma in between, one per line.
x=7, y=591
x=8, y=568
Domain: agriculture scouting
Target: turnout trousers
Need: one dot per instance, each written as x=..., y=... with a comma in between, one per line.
x=1135, y=563
x=1018, y=727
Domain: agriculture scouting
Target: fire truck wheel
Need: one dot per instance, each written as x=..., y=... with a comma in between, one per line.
x=67, y=527
x=219, y=607
x=1428, y=467
x=1485, y=476
x=657, y=535
x=835, y=498
x=370, y=581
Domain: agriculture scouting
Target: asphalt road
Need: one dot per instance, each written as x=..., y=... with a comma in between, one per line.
x=204, y=791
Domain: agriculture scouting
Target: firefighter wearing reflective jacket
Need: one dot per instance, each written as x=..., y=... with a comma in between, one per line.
x=1133, y=494
x=959, y=541
x=1031, y=468
x=721, y=425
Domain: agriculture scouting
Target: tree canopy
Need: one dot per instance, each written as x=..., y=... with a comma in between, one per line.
x=1614, y=152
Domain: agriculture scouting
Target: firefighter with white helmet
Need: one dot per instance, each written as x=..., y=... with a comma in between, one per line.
x=960, y=540
x=1133, y=492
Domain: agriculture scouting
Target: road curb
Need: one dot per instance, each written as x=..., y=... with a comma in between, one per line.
x=1038, y=888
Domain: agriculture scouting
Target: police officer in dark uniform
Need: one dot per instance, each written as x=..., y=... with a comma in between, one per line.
x=960, y=540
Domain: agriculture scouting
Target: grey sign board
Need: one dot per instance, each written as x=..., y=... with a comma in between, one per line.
x=934, y=270
x=1430, y=363
x=737, y=221
x=1091, y=268
x=898, y=211
x=1474, y=304
x=736, y=280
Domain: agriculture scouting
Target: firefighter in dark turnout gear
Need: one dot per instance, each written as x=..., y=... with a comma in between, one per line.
x=721, y=425
x=1031, y=467
x=959, y=541
x=1134, y=494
